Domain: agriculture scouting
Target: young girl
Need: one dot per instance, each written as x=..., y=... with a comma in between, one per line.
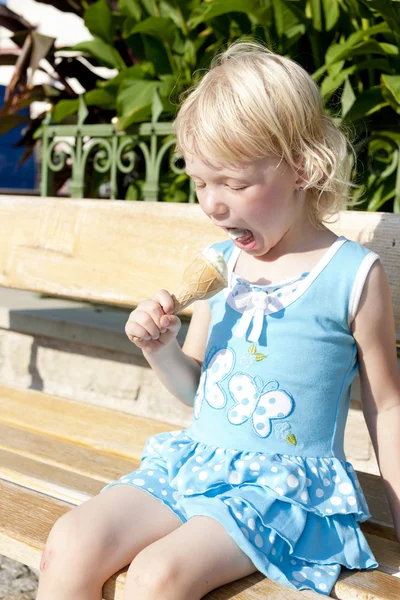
x=259, y=481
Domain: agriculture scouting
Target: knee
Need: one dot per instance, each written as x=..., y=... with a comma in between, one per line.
x=66, y=544
x=151, y=575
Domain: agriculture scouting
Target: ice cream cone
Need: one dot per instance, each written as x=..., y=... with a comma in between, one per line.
x=201, y=281
x=204, y=277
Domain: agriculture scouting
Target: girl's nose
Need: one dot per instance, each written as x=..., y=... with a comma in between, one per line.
x=212, y=203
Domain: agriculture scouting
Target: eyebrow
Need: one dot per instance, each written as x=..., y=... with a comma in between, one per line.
x=242, y=176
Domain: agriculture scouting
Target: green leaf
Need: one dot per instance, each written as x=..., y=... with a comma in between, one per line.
x=390, y=99
x=252, y=349
x=366, y=103
x=64, y=109
x=331, y=13
x=341, y=51
x=133, y=192
x=175, y=14
x=98, y=19
x=156, y=52
x=392, y=82
x=82, y=110
x=260, y=357
x=210, y=10
x=344, y=49
x=348, y=97
x=316, y=14
x=103, y=52
x=102, y=98
x=284, y=18
x=134, y=102
x=389, y=49
x=131, y=8
x=158, y=27
x=388, y=10
x=151, y=7
x=112, y=85
x=157, y=106
x=332, y=83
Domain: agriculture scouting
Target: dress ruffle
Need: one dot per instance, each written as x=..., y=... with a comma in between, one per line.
x=296, y=519
x=324, y=486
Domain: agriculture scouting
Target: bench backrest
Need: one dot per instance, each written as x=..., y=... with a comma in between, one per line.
x=120, y=252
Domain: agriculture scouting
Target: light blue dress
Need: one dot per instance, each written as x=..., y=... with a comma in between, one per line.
x=264, y=452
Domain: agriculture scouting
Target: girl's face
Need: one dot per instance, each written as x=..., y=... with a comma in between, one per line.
x=257, y=203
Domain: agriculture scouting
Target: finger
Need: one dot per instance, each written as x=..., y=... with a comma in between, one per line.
x=164, y=298
x=153, y=308
x=147, y=322
x=171, y=323
x=136, y=332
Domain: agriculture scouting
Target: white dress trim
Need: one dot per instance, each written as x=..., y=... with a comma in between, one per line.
x=301, y=287
x=359, y=283
x=255, y=304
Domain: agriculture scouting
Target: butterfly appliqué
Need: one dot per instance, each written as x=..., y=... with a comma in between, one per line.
x=258, y=402
x=218, y=365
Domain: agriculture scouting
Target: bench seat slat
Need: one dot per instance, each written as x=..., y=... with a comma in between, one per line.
x=26, y=518
x=47, y=479
x=86, y=460
x=378, y=504
x=101, y=428
x=113, y=434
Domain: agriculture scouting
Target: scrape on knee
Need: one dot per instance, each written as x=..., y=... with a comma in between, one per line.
x=48, y=553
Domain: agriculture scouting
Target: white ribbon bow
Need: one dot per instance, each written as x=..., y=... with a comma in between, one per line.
x=254, y=303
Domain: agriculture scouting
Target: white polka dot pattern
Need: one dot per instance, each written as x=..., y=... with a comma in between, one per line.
x=277, y=507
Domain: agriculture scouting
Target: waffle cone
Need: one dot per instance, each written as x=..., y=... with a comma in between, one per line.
x=201, y=281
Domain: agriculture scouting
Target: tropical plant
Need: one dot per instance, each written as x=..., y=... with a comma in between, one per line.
x=351, y=48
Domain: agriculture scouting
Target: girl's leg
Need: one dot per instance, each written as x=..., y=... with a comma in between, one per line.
x=187, y=563
x=98, y=538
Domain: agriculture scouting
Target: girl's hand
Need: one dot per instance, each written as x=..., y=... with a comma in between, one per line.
x=152, y=325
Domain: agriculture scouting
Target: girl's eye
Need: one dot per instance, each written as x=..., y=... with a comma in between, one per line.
x=237, y=189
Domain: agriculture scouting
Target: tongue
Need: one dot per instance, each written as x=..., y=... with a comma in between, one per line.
x=238, y=234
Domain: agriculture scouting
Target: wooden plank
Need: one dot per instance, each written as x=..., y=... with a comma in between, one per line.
x=57, y=468
x=389, y=555
x=76, y=432
x=52, y=481
x=375, y=494
x=26, y=518
x=88, y=425
x=85, y=460
x=366, y=585
x=121, y=252
x=114, y=252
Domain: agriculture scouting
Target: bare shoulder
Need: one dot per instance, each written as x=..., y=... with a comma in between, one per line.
x=374, y=332
x=375, y=304
x=196, y=338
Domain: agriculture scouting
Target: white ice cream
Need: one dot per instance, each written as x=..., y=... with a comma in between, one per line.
x=237, y=233
x=217, y=260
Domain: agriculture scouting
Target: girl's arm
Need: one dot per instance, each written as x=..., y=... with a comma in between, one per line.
x=179, y=368
x=374, y=332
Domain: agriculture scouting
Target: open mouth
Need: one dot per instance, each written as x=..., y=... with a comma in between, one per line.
x=243, y=238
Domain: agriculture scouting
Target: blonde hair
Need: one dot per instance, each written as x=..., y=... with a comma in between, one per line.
x=253, y=103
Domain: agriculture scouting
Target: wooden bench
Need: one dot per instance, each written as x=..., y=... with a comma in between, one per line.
x=56, y=453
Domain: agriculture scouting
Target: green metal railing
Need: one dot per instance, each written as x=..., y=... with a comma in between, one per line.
x=110, y=151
